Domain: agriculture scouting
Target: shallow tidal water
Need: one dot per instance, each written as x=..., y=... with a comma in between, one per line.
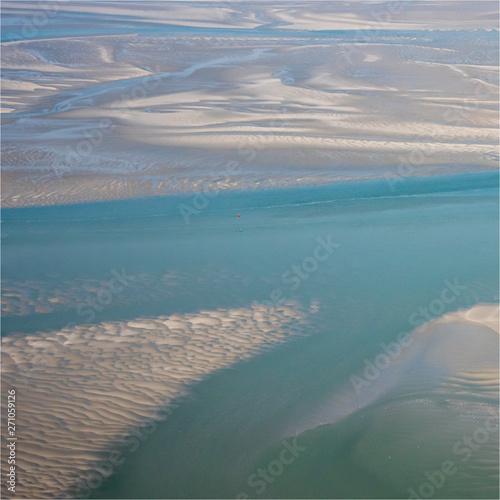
x=365, y=264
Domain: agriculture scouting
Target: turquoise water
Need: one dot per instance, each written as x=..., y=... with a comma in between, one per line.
x=394, y=253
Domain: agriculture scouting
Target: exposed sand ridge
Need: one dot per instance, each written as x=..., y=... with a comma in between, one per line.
x=95, y=382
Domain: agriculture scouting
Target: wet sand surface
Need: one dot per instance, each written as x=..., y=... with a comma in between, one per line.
x=193, y=96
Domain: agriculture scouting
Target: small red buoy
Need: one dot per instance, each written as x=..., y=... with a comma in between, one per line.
x=238, y=215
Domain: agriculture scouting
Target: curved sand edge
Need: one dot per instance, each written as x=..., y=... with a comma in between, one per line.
x=81, y=392
x=484, y=314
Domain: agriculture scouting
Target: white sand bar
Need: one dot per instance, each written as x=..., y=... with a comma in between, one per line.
x=82, y=391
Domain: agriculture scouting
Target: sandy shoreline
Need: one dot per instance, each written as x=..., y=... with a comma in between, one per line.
x=49, y=190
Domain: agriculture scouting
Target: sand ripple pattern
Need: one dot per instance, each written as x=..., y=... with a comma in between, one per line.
x=81, y=390
x=132, y=115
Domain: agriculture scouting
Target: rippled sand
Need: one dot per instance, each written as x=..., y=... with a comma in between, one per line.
x=82, y=392
x=127, y=115
x=96, y=385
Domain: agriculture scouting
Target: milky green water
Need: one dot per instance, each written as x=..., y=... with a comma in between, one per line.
x=394, y=253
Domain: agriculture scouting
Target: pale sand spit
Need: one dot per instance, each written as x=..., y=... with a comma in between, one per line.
x=446, y=358
x=82, y=391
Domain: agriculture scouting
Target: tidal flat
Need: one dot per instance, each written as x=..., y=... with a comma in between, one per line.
x=251, y=250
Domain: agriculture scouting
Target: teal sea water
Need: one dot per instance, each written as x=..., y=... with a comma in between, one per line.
x=293, y=422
